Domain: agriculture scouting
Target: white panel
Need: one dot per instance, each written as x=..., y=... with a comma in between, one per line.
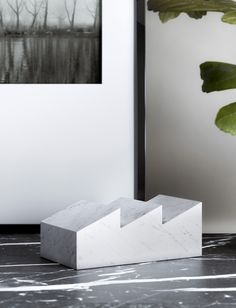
x=63, y=143
x=187, y=155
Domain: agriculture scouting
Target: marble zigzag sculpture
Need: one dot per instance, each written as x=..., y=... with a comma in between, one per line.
x=126, y=231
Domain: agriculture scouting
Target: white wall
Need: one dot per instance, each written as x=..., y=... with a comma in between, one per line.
x=60, y=144
x=186, y=154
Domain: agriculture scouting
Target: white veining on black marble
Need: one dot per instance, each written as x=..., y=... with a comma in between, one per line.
x=229, y=289
x=111, y=281
x=119, y=273
x=216, y=242
x=29, y=265
x=20, y=244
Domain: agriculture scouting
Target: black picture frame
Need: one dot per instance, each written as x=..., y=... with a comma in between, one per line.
x=139, y=118
x=140, y=99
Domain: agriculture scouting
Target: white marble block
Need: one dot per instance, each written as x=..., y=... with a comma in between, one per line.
x=126, y=231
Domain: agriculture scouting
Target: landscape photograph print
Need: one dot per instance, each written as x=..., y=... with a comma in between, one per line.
x=50, y=41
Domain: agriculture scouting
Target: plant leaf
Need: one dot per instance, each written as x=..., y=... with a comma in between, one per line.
x=229, y=17
x=197, y=15
x=191, y=6
x=166, y=16
x=218, y=76
x=226, y=119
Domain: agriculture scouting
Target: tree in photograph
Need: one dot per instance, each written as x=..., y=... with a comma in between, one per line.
x=96, y=14
x=33, y=9
x=60, y=16
x=17, y=7
x=71, y=16
x=61, y=20
x=97, y=21
x=1, y=18
x=45, y=19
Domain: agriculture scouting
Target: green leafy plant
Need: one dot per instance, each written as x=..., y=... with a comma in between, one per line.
x=216, y=76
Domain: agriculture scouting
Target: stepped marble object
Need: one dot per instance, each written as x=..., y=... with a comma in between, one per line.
x=89, y=235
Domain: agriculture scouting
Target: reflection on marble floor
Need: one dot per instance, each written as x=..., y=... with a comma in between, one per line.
x=208, y=281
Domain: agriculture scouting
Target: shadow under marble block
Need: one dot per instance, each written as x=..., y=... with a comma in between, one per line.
x=126, y=231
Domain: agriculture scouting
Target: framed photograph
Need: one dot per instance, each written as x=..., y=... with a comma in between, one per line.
x=72, y=111
x=51, y=42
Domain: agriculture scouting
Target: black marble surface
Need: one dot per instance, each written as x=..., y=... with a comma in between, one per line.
x=26, y=280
